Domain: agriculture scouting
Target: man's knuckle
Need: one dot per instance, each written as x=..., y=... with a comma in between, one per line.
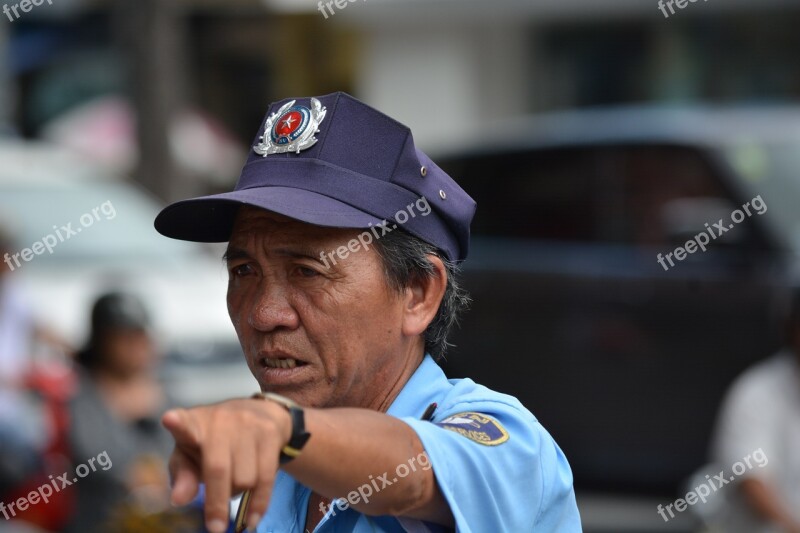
x=217, y=467
x=245, y=478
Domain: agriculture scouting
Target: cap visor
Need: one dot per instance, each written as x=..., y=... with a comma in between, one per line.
x=210, y=218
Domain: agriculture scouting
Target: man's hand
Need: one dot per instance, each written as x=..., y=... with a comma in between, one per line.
x=230, y=446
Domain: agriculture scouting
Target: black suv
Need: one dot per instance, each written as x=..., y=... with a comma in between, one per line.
x=623, y=357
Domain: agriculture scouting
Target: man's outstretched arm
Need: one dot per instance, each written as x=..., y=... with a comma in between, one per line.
x=235, y=445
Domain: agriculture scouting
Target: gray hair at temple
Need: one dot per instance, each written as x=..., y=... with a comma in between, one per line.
x=405, y=260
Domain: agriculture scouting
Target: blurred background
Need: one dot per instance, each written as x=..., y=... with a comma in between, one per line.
x=594, y=136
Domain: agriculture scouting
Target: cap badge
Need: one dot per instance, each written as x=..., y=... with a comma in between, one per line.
x=291, y=129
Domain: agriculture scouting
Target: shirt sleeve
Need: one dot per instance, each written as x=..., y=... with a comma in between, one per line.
x=499, y=469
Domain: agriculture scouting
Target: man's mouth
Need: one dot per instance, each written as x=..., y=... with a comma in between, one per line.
x=281, y=363
x=279, y=368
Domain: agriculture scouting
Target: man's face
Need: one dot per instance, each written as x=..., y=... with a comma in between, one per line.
x=321, y=336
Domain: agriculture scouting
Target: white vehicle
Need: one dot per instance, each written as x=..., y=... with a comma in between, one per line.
x=79, y=233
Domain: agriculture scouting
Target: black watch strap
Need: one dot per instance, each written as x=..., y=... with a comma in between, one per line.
x=299, y=436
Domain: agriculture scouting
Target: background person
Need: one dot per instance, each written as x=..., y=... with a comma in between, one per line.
x=116, y=409
x=17, y=325
x=762, y=411
x=24, y=430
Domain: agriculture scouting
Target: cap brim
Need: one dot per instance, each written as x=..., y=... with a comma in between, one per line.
x=211, y=218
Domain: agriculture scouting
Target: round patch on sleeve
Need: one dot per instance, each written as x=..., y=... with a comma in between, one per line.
x=476, y=427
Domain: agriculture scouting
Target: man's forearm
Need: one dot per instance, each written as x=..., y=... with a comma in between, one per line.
x=354, y=448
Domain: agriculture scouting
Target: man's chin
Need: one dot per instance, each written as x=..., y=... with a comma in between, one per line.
x=296, y=384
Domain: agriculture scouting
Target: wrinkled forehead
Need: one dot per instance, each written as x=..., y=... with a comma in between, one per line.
x=256, y=225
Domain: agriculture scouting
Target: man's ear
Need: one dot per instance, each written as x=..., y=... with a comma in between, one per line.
x=422, y=298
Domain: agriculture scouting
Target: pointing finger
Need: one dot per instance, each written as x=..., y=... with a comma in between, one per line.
x=182, y=425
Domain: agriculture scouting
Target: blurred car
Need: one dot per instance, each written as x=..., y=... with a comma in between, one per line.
x=623, y=360
x=100, y=231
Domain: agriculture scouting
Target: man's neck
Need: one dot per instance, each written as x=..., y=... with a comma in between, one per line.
x=410, y=366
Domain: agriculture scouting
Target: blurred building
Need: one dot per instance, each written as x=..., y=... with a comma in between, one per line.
x=447, y=67
x=474, y=62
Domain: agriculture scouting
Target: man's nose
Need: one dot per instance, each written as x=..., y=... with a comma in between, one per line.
x=272, y=309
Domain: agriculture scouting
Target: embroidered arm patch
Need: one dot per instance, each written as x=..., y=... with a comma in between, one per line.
x=476, y=427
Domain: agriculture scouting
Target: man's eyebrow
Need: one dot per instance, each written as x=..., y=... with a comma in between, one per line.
x=298, y=252
x=233, y=254
x=294, y=252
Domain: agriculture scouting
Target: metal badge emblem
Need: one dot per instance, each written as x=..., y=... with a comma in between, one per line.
x=291, y=129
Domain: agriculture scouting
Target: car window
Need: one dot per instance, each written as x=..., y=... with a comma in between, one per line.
x=533, y=195
x=641, y=195
x=770, y=169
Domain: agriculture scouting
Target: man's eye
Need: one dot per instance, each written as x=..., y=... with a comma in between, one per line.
x=307, y=272
x=240, y=270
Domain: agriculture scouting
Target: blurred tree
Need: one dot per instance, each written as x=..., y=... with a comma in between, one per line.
x=151, y=35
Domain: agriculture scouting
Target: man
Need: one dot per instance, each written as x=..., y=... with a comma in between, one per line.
x=343, y=245
x=761, y=411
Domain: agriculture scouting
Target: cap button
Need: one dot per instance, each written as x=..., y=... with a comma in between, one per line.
x=442, y=195
x=423, y=171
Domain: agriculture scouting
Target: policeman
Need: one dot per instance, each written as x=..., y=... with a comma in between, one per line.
x=343, y=246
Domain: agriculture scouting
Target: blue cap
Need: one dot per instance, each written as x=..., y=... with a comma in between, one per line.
x=334, y=161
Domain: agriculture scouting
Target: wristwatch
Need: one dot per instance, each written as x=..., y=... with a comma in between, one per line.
x=299, y=435
x=292, y=449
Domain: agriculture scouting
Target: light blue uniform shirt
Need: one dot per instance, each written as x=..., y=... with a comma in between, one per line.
x=517, y=481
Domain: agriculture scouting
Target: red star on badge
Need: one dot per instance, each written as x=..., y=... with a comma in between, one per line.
x=288, y=124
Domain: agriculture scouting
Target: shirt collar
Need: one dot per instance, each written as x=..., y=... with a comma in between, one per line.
x=427, y=385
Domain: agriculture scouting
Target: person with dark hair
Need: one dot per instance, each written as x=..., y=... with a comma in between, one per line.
x=116, y=410
x=761, y=412
x=344, y=242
